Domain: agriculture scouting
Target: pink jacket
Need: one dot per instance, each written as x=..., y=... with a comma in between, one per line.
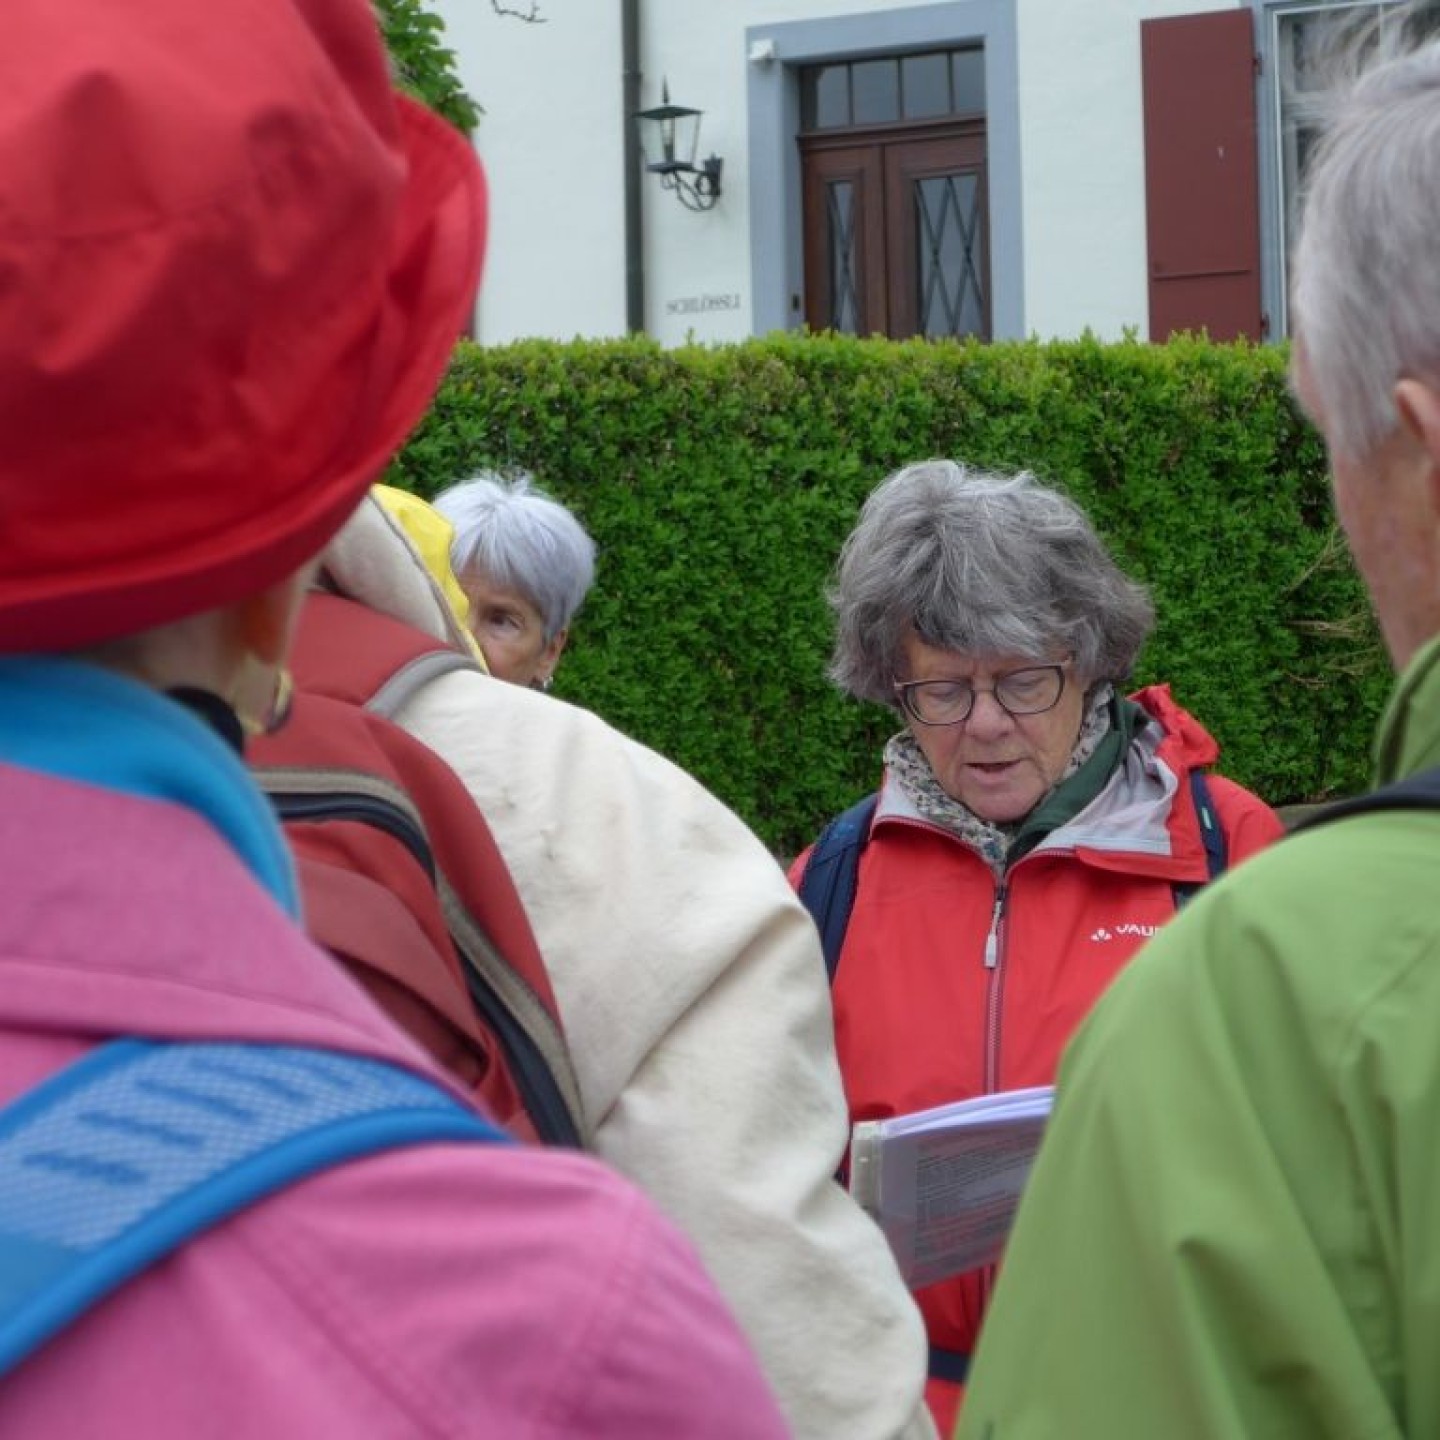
x=435, y=1291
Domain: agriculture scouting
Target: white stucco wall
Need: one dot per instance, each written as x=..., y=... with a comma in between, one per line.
x=1083, y=176
x=700, y=46
x=552, y=140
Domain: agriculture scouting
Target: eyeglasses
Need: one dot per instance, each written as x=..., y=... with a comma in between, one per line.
x=1031, y=691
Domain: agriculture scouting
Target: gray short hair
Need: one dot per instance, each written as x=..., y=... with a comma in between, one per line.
x=980, y=564
x=511, y=533
x=1366, y=272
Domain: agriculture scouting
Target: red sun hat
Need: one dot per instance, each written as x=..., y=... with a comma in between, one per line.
x=233, y=265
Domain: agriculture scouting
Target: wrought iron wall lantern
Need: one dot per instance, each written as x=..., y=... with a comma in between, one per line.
x=669, y=134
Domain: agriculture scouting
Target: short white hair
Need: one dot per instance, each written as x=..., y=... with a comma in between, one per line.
x=509, y=532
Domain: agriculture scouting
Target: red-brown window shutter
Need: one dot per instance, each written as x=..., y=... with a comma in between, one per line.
x=1201, y=189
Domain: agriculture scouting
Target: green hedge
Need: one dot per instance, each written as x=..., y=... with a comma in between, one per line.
x=719, y=483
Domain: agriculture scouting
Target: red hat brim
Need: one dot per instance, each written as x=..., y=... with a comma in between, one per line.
x=60, y=596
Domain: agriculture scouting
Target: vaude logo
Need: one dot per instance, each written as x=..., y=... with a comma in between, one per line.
x=1143, y=932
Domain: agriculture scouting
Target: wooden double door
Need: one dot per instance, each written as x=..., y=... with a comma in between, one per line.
x=896, y=232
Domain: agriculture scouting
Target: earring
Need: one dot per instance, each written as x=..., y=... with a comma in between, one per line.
x=278, y=711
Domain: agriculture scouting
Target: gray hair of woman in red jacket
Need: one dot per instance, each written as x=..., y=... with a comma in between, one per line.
x=979, y=564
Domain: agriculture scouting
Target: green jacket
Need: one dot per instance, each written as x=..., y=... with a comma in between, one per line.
x=1233, y=1227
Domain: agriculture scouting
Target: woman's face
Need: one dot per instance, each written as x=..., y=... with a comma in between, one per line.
x=996, y=764
x=511, y=634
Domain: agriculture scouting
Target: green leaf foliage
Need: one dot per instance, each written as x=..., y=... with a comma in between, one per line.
x=424, y=65
x=720, y=482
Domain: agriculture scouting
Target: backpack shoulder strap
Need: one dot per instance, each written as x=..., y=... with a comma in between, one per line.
x=423, y=901
x=351, y=652
x=827, y=886
x=1212, y=834
x=413, y=676
x=118, y=1159
x=1217, y=854
x=1420, y=791
x=359, y=793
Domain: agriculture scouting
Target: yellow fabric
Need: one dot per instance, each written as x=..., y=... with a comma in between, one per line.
x=431, y=534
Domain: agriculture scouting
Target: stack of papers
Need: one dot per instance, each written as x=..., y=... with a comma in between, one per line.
x=943, y=1183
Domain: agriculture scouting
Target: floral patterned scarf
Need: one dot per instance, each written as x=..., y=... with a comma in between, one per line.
x=907, y=765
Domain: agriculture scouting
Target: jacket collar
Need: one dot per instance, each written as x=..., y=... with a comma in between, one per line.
x=1408, y=738
x=1127, y=805
x=373, y=561
x=83, y=723
x=1071, y=796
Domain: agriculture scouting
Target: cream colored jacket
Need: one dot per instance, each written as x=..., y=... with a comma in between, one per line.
x=693, y=993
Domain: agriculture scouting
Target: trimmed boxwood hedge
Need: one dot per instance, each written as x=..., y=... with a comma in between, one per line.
x=719, y=483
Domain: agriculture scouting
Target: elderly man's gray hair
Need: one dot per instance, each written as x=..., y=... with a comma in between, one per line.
x=509, y=532
x=1366, y=273
x=980, y=564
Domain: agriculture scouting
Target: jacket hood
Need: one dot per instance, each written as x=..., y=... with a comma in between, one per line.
x=1187, y=742
x=431, y=536
x=1143, y=819
x=374, y=561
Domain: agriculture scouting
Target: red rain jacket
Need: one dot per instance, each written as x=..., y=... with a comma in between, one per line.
x=922, y=1019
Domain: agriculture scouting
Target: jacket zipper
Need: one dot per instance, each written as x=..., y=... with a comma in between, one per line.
x=994, y=991
x=994, y=986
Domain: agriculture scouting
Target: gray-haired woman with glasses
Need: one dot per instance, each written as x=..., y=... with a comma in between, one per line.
x=1034, y=824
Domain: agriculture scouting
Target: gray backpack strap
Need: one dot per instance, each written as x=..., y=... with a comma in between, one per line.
x=390, y=698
